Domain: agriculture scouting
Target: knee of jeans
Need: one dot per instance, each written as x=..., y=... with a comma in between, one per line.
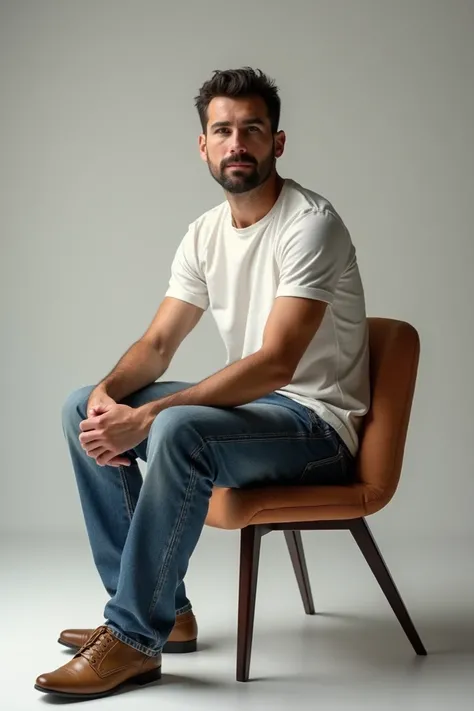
x=181, y=431
x=175, y=424
x=75, y=405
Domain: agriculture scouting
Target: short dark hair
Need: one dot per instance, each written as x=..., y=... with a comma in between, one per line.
x=236, y=83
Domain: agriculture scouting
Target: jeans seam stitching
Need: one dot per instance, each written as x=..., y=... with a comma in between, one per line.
x=328, y=460
x=126, y=492
x=186, y=608
x=316, y=464
x=175, y=538
x=258, y=437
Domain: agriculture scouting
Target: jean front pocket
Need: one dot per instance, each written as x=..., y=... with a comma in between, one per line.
x=327, y=471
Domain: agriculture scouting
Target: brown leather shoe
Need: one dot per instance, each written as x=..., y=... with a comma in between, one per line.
x=102, y=666
x=183, y=637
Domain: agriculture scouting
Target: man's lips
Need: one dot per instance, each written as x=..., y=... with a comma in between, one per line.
x=240, y=165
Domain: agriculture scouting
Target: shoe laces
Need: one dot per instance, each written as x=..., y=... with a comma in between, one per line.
x=97, y=645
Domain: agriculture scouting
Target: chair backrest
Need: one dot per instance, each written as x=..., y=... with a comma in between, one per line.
x=394, y=355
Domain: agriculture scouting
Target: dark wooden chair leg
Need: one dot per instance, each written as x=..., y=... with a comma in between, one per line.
x=250, y=540
x=373, y=556
x=295, y=547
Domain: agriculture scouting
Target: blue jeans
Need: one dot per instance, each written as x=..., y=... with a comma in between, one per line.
x=142, y=532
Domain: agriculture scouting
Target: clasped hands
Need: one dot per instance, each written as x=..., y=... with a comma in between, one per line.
x=116, y=430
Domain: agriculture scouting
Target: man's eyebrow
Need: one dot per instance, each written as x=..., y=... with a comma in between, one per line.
x=254, y=120
x=246, y=122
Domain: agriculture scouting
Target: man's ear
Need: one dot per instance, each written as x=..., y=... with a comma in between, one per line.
x=280, y=140
x=203, y=147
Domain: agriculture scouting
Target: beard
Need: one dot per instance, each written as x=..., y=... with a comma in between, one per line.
x=237, y=181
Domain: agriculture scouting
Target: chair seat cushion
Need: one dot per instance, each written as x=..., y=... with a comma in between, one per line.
x=237, y=508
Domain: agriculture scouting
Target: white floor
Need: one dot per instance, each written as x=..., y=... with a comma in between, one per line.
x=353, y=655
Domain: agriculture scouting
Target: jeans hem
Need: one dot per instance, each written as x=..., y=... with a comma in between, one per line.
x=133, y=643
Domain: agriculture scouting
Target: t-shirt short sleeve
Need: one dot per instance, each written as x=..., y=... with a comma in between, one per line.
x=187, y=281
x=312, y=252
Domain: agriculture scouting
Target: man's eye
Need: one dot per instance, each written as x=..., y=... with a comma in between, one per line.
x=221, y=130
x=254, y=128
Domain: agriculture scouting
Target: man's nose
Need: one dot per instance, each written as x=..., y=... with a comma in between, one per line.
x=238, y=145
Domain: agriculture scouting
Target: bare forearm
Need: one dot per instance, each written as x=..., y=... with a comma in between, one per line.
x=141, y=365
x=237, y=384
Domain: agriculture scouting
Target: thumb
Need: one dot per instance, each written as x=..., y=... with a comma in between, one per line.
x=100, y=408
x=96, y=410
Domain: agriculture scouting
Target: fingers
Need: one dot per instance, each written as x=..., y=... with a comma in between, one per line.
x=92, y=442
x=95, y=452
x=90, y=436
x=105, y=457
x=109, y=459
x=119, y=462
x=90, y=424
x=93, y=447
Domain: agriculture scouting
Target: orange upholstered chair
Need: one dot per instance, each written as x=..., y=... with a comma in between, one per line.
x=394, y=354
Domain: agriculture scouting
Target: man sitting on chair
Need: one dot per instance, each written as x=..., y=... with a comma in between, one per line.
x=276, y=266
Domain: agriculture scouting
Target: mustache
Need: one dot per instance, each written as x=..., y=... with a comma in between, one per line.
x=241, y=159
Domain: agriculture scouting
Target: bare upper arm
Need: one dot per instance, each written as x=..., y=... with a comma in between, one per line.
x=290, y=327
x=171, y=324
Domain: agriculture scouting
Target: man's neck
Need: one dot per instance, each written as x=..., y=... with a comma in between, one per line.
x=248, y=208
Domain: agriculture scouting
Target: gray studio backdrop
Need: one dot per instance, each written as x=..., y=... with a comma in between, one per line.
x=100, y=177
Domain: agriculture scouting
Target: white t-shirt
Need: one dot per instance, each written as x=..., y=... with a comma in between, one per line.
x=301, y=248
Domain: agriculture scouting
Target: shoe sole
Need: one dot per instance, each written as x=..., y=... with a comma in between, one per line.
x=169, y=648
x=139, y=680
